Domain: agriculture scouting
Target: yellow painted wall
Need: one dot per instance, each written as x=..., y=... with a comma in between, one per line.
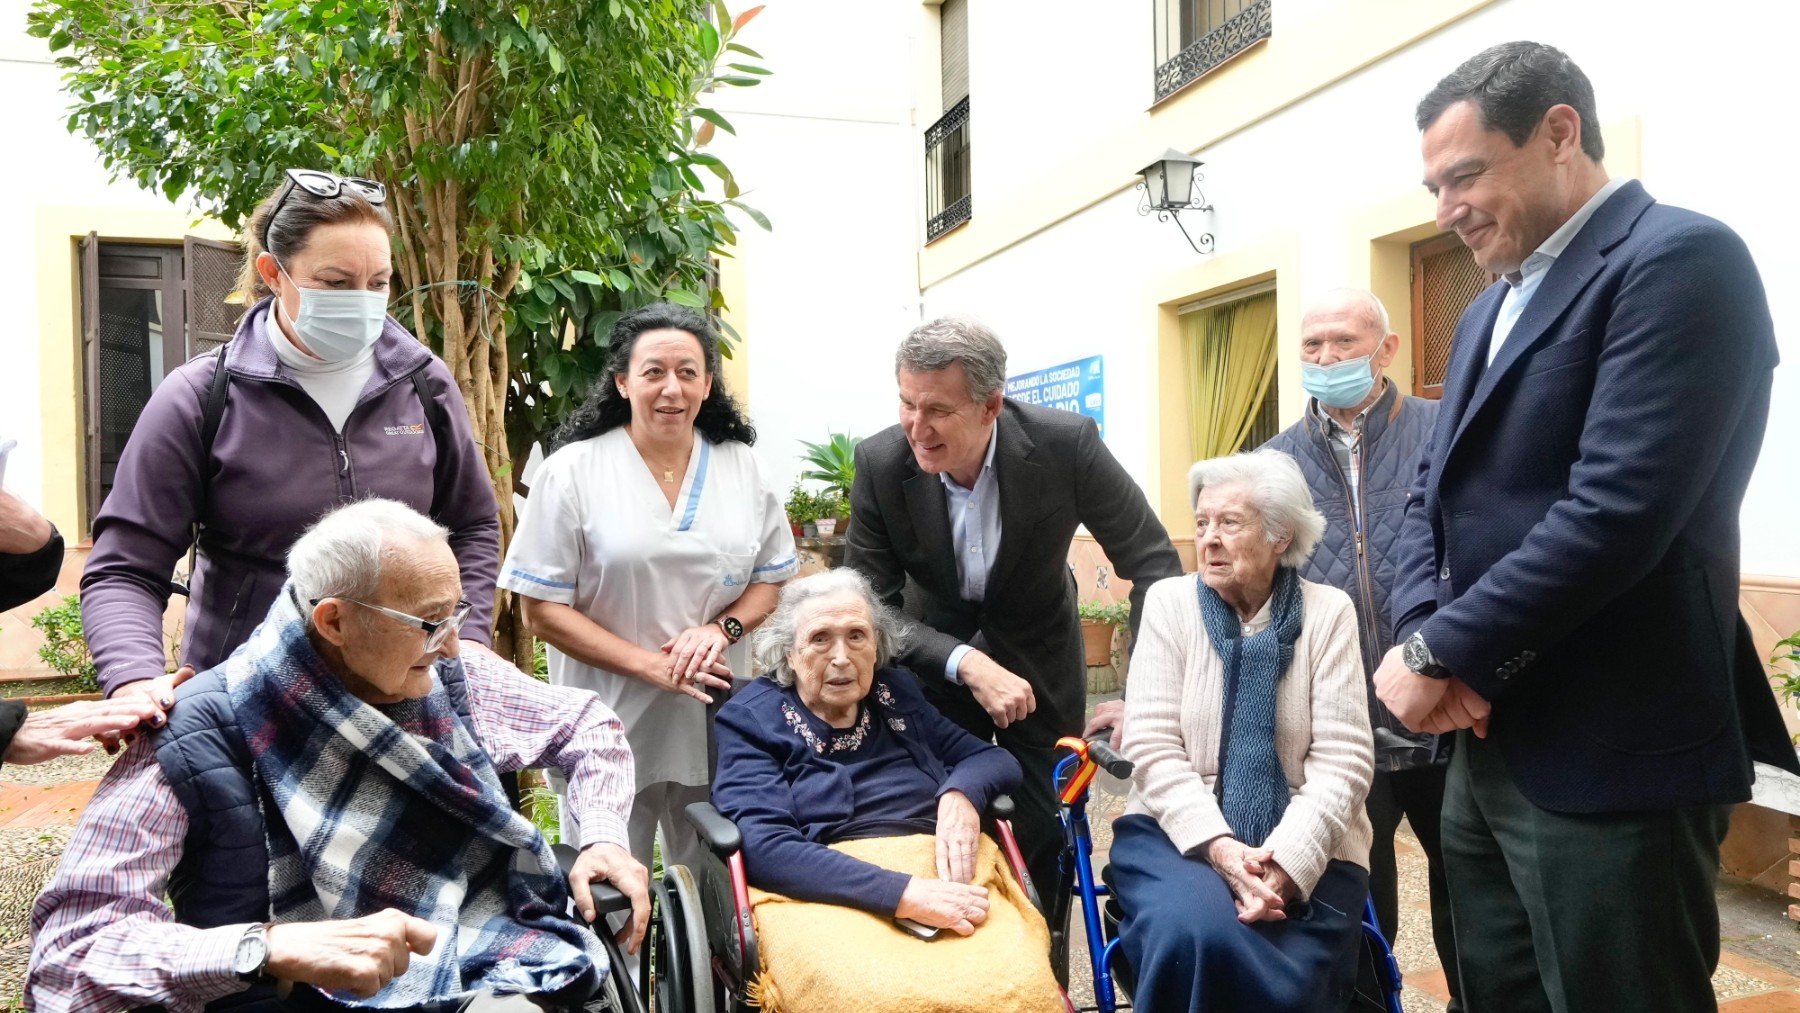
x=59, y=230
x=736, y=289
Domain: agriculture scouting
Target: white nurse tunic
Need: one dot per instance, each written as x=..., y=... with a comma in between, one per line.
x=597, y=534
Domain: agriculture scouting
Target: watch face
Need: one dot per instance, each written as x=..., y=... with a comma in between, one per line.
x=252, y=952
x=733, y=628
x=1415, y=654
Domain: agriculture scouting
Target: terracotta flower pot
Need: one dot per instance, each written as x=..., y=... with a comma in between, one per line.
x=1096, y=642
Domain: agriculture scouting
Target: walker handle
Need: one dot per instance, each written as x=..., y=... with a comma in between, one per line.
x=1100, y=751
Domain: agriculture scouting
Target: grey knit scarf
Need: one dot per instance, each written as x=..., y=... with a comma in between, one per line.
x=1252, y=788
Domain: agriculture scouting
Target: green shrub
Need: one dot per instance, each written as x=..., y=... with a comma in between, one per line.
x=65, y=647
x=1111, y=613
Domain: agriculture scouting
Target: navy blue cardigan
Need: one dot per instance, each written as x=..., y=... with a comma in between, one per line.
x=790, y=801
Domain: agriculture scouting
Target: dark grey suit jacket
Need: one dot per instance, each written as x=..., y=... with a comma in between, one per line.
x=1054, y=473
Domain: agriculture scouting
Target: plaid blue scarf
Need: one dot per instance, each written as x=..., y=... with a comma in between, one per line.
x=1252, y=788
x=398, y=807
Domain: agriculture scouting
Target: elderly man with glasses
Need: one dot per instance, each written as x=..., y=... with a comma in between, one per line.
x=325, y=816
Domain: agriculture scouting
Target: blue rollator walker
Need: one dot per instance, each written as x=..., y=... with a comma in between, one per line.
x=1113, y=978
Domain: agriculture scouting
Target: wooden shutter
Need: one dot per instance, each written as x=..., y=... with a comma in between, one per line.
x=1445, y=280
x=953, y=51
x=90, y=376
x=209, y=276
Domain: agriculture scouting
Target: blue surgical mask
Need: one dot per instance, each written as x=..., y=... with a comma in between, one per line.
x=338, y=325
x=1342, y=384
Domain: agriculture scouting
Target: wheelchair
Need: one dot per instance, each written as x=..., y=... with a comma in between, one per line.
x=1378, y=974
x=702, y=937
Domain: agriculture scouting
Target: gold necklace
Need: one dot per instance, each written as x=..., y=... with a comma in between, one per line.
x=669, y=476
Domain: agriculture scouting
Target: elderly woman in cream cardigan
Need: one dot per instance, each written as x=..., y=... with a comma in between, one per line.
x=1242, y=860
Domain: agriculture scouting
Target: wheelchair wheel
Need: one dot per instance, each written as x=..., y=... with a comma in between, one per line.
x=683, y=960
x=614, y=997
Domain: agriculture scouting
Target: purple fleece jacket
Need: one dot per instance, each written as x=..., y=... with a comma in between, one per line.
x=276, y=466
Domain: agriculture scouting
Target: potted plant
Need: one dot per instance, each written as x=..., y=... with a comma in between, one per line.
x=1098, y=619
x=834, y=464
x=831, y=507
x=802, y=510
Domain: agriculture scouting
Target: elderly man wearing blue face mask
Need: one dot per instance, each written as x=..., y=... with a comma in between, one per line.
x=1359, y=443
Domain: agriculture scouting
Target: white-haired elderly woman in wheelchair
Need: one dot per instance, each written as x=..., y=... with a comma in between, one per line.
x=1242, y=861
x=859, y=807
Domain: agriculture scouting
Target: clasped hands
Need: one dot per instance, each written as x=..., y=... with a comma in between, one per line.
x=1260, y=887
x=1424, y=704
x=688, y=663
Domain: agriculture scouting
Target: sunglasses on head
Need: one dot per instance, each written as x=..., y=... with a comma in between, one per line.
x=324, y=184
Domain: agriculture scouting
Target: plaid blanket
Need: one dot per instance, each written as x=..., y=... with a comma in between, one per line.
x=397, y=806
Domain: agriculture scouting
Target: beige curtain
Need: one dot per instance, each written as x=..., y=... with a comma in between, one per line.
x=1230, y=363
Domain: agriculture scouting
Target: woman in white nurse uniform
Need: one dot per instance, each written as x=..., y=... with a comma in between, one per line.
x=650, y=545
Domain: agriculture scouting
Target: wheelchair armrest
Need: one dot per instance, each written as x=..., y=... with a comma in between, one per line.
x=1001, y=807
x=719, y=833
x=607, y=898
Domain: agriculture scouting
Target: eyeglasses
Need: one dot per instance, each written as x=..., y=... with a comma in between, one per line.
x=320, y=183
x=435, y=632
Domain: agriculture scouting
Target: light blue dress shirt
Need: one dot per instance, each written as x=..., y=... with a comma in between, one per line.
x=1523, y=285
x=974, y=536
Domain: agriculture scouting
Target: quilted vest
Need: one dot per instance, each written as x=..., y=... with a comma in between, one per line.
x=1395, y=432
x=223, y=875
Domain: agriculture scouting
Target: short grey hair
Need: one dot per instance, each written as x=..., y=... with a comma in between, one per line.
x=1278, y=490
x=772, y=642
x=340, y=555
x=935, y=345
x=1354, y=298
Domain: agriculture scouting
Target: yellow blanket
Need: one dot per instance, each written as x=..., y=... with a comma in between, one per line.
x=824, y=958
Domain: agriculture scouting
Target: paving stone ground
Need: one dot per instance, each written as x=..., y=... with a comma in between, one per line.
x=1759, y=966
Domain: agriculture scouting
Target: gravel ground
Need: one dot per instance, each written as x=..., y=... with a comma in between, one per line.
x=27, y=859
x=62, y=770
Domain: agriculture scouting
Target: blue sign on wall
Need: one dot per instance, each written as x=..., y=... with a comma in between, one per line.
x=1073, y=387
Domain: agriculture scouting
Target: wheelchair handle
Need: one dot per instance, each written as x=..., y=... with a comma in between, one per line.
x=1100, y=750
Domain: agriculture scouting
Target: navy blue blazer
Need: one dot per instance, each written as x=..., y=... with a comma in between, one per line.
x=1571, y=546
x=790, y=801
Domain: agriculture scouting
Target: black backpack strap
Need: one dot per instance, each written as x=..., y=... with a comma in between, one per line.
x=437, y=420
x=212, y=410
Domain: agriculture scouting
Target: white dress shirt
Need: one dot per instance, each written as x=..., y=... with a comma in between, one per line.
x=974, y=535
x=1523, y=284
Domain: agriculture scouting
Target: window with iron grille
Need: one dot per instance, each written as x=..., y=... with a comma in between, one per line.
x=1195, y=36
x=947, y=203
x=1445, y=280
x=144, y=311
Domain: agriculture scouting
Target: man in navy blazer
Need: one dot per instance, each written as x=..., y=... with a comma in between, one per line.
x=1569, y=562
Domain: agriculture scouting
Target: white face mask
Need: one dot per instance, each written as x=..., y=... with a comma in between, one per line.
x=337, y=326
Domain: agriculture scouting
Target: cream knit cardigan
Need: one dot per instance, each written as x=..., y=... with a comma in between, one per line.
x=1173, y=721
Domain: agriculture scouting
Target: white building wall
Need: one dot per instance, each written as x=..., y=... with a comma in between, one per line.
x=1081, y=287
x=829, y=148
x=46, y=167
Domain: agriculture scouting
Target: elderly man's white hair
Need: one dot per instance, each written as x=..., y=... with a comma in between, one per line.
x=1360, y=299
x=775, y=638
x=1277, y=489
x=340, y=555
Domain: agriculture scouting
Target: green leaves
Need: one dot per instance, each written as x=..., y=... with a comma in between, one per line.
x=558, y=139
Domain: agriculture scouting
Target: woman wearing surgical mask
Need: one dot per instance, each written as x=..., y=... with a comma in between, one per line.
x=323, y=399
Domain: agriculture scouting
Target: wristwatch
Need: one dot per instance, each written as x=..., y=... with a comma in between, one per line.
x=1419, y=658
x=251, y=961
x=734, y=630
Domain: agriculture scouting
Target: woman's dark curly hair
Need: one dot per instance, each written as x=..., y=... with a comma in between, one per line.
x=605, y=409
